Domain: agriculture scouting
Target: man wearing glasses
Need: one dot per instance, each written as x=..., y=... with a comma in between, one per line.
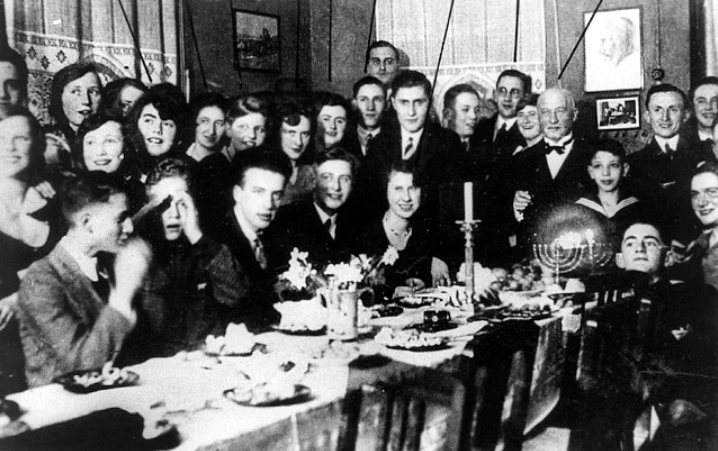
x=552, y=170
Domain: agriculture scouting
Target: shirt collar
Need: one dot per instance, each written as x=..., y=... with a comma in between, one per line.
x=323, y=214
x=509, y=122
x=244, y=225
x=415, y=137
x=673, y=142
x=88, y=265
x=562, y=142
x=363, y=133
x=704, y=136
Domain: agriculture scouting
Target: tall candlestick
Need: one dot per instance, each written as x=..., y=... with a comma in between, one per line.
x=468, y=201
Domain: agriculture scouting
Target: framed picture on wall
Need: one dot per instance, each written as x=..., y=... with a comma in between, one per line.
x=613, y=50
x=618, y=113
x=256, y=41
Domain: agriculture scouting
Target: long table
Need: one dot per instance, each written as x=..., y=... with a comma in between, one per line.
x=187, y=390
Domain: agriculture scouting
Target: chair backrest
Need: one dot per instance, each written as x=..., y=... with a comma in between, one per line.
x=422, y=410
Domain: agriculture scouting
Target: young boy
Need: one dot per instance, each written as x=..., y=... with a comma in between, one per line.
x=611, y=199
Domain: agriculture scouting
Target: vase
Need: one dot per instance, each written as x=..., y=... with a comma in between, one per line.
x=342, y=314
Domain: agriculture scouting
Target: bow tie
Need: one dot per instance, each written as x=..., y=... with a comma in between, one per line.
x=558, y=149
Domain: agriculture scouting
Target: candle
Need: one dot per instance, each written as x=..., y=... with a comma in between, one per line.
x=468, y=201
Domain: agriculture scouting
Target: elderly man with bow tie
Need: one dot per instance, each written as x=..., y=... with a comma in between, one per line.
x=552, y=170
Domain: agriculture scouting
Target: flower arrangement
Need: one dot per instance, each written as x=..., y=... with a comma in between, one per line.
x=361, y=271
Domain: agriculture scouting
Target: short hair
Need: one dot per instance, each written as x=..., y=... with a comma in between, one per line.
x=662, y=231
x=405, y=167
x=327, y=98
x=247, y=104
x=336, y=153
x=170, y=105
x=410, y=79
x=111, y=102
x=93, y=122
x=565, y=92
x=667, y=87
x=204, y=100
x=37, y=149
x=85, y=190
x=11, y=56
x=367, y=80
x=706, y=167
x=168, y=168
x=261, y=157
x=291, y=112
x=606, y=145
x=529, y=100
x=710, y=80
x=380, y=44
x=454, y=92
x=65, y=76
x=526, y=81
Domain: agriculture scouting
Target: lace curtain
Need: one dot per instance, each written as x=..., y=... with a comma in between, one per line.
x=52, y=34
x=479, y=43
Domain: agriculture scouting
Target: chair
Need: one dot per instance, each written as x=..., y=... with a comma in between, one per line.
x=419, y=410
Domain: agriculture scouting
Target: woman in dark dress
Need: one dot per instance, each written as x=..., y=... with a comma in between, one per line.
x=30, y=226
x=414, y=239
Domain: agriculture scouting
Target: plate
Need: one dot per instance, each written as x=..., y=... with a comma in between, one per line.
x=301, y=393
x=422, y=327
x=387, y=311
x=69, y=383
x=261, y=347
x=414, y=302
x=306, y=332
x=437, y=347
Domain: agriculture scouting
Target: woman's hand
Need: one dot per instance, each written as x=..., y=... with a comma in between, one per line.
x=188, y=217
x=45, y=189
x=440, y=273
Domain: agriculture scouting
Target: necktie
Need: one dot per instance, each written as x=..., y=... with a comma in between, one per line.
x=328, y=227
x=558, y=149
x=466, y=145
x=369, y=137
x=500, y=135
x=409, y=149
x=259, y=253
x=669, y=151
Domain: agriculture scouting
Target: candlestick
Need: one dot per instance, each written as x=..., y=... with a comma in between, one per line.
x=468, y=228
x=468, y=201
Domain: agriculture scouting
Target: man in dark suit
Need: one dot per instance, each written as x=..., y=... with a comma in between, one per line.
x=260, y=178
x=320, y=226
x=369, y=102
x=549, y=172
x=668, y=160
x=704, y=99
x=499, y=135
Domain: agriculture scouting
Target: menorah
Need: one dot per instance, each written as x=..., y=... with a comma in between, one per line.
x=572, y=250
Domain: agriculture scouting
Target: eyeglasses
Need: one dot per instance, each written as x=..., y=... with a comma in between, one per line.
x=514, y=93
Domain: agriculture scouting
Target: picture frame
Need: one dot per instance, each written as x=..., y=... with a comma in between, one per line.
x=613, y=50
x=256, y=41
x=618, y=113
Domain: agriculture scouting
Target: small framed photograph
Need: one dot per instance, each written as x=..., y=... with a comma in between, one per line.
x=613, y=50
x=618, y=113
x=256, y=41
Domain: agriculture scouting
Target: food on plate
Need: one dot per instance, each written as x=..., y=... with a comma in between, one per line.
x=338, y=350
x=407, y=338
x=267, y=393
x=109, y=376
x=308, y=315
x=236, y=341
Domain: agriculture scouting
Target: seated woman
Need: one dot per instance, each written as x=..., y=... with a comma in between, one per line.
x=30, y=226
x=612, y=199
x=414, y=240
x=101, y=146
x=192, y=277
x=154, y=127
x=119, y=96
x=75, y=94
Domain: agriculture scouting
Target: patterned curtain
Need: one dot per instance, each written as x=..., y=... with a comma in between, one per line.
x=479, y=43
x=52, y=34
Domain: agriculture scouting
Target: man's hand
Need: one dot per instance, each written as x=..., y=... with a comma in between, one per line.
x=188, y=217
x=522, y=199
x=131, y=266
x=440, y=273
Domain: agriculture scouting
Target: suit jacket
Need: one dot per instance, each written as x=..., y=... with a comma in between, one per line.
x=299, y=225
x=254, y=304
x=64, y=324
x=483, y=140
x=651, y=167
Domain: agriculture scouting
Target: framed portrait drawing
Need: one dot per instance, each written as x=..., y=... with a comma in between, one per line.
x=256, y=41
x=619, y=113
x=613, y=50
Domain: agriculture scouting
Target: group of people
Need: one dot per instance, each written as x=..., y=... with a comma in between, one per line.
x=137, y=223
